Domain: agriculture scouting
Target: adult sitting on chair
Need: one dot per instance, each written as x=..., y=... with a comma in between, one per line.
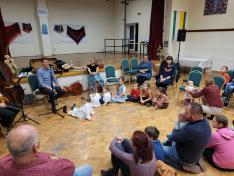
x=45, y=74
x=219, y=152
x=189, y=142
x=212, y=98
x=94, y=76
x=145, y=71
x=8, y=112
x=167, y=73
x=25, y=160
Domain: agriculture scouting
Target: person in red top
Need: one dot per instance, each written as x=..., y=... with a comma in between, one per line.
x=25, y=159
x=135, y=94
x=212, y=98
x=225, y=75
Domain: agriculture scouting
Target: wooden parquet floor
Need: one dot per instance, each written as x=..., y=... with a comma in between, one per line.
x=88, y=141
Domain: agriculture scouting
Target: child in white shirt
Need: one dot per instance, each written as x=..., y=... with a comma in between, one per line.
x=85, y=111
x=106, y=97
x=95, y=97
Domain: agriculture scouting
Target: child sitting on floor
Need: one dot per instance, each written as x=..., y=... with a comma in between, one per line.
x=225, y=75
x=180, y=124
x=146, y=95
x=161, y=101
x=153, y=133
x=106, y=96
x=187, y=96
x=83, y=112
x=95, y=97
x=135, y=94
x=121, y=92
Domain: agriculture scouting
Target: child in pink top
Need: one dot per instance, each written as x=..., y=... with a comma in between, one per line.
x=161, y=101
x=219, y=152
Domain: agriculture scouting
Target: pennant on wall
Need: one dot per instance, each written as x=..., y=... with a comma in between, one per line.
x=76, y=35
x=179, y=22
x=44, y=29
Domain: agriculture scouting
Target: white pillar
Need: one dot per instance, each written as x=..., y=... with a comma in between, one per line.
x=44, y=25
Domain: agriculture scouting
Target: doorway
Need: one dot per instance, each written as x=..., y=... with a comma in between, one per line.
x=132, y=35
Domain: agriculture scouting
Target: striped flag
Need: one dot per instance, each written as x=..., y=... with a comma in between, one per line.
x=179, y=21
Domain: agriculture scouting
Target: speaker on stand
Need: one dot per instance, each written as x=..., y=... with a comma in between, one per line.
x=181, y=37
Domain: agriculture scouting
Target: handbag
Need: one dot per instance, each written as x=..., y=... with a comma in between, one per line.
x=163, y=169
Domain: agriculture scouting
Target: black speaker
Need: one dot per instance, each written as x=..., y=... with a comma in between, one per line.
x=181, y=35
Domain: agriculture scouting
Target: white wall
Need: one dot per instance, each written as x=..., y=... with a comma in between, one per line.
x=141, y=6
x=218, y=46
x=96, y=16
x=25, y=11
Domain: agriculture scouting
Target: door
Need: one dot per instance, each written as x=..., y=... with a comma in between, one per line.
x=132, y=35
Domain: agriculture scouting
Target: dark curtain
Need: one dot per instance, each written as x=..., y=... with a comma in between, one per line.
x=76, y=35
x=156, y=28
x=3, y=38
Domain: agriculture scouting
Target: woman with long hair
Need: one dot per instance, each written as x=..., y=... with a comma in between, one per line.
x=94, y=76
x=139, y=160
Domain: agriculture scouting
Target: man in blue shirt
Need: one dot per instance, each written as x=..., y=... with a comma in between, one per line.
x=44, y=78
x=189, y=142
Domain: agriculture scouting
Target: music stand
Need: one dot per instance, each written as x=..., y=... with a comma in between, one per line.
x=24, y=117
x=53, y=104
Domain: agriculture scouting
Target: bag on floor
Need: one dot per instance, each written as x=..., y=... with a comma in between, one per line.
x=163, y=169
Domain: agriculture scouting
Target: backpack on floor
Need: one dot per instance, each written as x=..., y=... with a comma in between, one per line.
x=163, y=169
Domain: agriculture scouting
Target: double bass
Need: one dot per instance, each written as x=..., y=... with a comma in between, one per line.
x=8, y=87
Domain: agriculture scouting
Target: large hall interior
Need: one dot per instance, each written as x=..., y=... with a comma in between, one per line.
x=116, y=87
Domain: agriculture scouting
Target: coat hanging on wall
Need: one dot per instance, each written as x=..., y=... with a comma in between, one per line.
x=58, y=28
x=27, y=27
x=13, y=31
x=76, y=35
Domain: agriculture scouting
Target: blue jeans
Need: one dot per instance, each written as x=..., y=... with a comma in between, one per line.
x=229, y=89
x=92, y=81
x=85, y=170
x=172, y=158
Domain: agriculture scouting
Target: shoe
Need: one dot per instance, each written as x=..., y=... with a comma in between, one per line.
x=196, y=169
x=74, y=105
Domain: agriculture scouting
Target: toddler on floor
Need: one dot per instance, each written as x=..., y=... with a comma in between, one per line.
x=187, y=96
x=161, y=101
x=121, y=92
x=84, y=112
x=135, y=94
x=106, y=96
x=146, y=95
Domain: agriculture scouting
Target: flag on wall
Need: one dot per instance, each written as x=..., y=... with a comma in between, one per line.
x=179, y=22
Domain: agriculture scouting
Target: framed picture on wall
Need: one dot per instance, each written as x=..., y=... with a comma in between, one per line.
x=214, y=7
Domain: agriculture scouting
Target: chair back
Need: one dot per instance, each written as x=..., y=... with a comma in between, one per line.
x=134, y=64
x=125, y=65
x=33, y=82
x=197, y=68
x=219, y=81
x=196, y=77
x=110, y=71
x=231, y=74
